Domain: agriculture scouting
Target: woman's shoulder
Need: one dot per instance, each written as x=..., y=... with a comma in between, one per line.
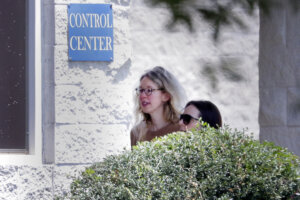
x=138, y=127
x=137, y=132
x=173, y=127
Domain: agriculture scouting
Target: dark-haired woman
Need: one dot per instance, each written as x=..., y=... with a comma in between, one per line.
x=194, y=110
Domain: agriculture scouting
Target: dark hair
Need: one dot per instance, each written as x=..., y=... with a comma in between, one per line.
x=208, y=112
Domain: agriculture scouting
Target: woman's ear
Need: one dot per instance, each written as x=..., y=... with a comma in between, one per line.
x=166, y=97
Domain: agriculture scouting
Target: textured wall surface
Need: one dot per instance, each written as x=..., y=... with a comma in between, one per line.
x=92, y=101
x=279, y=72
x=26, y=182
x=187, y=54
x=87, y=106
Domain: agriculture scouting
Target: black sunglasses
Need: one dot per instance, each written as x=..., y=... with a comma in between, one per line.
x=186, y=118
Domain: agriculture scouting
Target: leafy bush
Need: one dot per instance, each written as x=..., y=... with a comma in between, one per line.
x=203, y=164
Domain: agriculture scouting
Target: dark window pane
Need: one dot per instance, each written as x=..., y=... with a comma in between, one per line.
x=12, y=74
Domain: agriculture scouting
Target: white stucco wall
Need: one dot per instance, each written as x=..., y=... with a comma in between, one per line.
x=186, y=54
x=92, y=99
x=87, y=106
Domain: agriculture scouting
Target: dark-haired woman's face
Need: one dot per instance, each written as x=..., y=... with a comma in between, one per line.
x=189, y=118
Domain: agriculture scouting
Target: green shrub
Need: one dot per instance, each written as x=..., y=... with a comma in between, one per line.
x=204, y=164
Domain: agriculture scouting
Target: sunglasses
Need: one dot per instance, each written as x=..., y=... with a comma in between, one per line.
x=187, y=118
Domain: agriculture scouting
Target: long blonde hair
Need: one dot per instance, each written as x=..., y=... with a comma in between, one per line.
x=168, y=83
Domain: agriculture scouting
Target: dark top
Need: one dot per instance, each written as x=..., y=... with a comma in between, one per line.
x=149, y=135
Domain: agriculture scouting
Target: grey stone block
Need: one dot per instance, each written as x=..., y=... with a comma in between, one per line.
x=279, y=58
x=274, y=71
x=282, y=136
x=46, y=2
x=293, y=115
x=48, y=64
x=272, y=26
x=273, y=106
x=273, y=67
x=48, y=24
x=293, y=44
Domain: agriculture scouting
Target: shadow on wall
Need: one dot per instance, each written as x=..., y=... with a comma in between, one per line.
x=118, y=74
x=227, y=68
x=294, y=103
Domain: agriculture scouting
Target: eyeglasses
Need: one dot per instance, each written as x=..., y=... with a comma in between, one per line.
x=147, y=91
x=186, y=119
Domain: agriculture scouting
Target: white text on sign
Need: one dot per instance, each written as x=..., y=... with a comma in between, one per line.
x=92, y=43
x=89, y=20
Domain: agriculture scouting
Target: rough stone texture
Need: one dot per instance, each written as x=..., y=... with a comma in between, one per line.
x=63, y=176
x=87, y=106
x=26, y=182
x=92, y=104
x=89, y=143
x=89, y=72
x=61, y=24
x=186, y=55
x=279, y=71
x=91, y=94
x=114, y=2
x=92, y=99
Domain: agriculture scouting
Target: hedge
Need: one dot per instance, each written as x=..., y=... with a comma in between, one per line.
x=200, y=164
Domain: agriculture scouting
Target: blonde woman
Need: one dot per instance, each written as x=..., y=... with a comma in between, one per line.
x=159, y=99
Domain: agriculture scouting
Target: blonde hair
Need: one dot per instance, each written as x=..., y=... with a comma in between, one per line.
x=168, y=83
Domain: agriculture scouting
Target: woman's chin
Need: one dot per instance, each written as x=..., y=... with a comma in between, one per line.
x=145, y=110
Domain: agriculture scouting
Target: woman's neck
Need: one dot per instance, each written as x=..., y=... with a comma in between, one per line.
x=158, y=121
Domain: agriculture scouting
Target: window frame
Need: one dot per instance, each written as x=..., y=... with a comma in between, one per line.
x=33, y=153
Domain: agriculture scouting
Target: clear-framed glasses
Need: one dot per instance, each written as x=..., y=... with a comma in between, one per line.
x=147, y=91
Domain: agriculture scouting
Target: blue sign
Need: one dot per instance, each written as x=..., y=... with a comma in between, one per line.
x=90, y=32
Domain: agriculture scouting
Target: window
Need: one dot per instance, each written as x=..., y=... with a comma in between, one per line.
x=32, y=153
x=13, y=76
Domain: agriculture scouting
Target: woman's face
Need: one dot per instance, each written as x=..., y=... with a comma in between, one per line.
x=154, y=102
x=190, y=114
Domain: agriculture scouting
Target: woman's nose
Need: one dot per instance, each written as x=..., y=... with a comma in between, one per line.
x=181, y=122
x=142, y=95
x=182, y=125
